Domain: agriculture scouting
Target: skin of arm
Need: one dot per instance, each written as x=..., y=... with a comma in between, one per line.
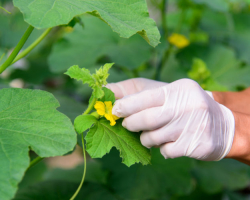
x=239, y=104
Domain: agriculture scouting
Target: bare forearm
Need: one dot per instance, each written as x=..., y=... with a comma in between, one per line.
x=236, y=101
x=241, y=145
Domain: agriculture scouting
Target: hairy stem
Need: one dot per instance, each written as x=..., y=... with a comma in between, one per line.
x=90, y=107
x=19, y=46
x=84, y=173
x=32, y=46
x=35, y=161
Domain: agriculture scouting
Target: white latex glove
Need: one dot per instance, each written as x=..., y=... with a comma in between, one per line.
x=181, y=118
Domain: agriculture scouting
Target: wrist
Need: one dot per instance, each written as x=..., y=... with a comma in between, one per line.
x=240, y=149
x=219, y=97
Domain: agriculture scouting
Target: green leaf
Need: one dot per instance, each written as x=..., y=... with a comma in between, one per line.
x=164, y=177
x=29, y=120
x=84, y=122
x=124, y=17
x=70, y=106
x=229, y=174
x=102, y=137
x=102, y=74
x=12, y=28
x=95, y=81
x=79, y=74
x=85, y=46
x=33, y=175
x=219, y=5
x=63, y=190
x=226, y=70
x=199, y=71
x=108, y=95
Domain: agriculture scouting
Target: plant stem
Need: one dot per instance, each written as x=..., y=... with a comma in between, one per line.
x=5, y=10
x=162, y=63
x=163, y=18
x=32, y=46
x=35, y=161
x=19, y=46
x=84, y=173
x=90, y=107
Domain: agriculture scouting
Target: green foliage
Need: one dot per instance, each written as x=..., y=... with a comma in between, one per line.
x=217, y=58
x=108, y=95
x=29, y=120
x=84, y=122
x=84, y=46
x=199, y=70
x=95, y=81
x=51, y=190
x=102, y=137
x=134, y=15
x=226, y=174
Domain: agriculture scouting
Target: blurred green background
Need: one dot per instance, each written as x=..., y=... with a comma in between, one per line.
x=217, y=57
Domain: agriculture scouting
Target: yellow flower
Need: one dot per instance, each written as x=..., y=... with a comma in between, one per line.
x=105, y=109
x=178, y=40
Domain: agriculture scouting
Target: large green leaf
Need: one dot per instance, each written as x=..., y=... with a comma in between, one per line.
x=64, y=190
x=226, y=70
x=70, y=106
x=229, y=174
x=12, y=27
x=102, y=137
x=219, y=5
x=125, y=17
x=240, y=38
x=29, y=120
x=85, y=46
x=163, y=177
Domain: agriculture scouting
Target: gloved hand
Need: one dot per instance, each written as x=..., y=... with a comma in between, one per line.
x=180, y=118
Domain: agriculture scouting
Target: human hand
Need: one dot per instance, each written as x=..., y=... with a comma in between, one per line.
x=132, y=86
x=180, y=117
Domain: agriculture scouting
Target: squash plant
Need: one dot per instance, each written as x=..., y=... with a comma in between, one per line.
x=30, y=119
x=66, y=43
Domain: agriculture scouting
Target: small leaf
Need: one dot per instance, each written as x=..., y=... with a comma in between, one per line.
x=84, y=122
x=102, y=74
x=108, y=95
x=199, y=71
x=102, y=137
x=79, y=74
x=95, y=81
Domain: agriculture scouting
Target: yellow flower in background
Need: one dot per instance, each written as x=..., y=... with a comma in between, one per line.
x=178, y=40
x=105, y=109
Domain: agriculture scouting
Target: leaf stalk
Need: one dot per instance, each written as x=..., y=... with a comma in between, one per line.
x=35, y=161
x=84, y=173
x=90, y=107
x=19, y=46
x=32, y=46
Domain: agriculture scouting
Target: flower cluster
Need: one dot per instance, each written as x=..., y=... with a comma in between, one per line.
x=105, y=109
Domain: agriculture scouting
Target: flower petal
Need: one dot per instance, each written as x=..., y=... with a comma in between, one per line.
x=111, y=119
x=100, y=107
